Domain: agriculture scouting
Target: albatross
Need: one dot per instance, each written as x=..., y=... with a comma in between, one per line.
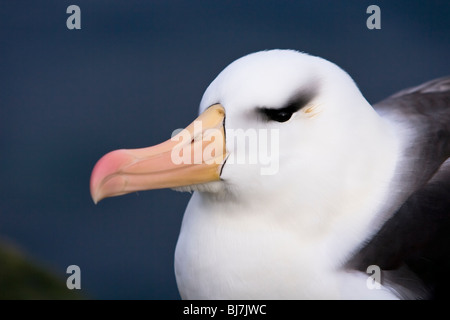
x=355, y=203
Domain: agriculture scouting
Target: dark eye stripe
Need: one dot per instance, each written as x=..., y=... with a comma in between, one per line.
x=280, y=115
x=285, y=113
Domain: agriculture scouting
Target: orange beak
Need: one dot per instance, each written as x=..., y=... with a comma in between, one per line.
x=193, y=156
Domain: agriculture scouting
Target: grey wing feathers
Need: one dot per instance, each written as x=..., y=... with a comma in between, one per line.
x=436, y=85
x=417, y=237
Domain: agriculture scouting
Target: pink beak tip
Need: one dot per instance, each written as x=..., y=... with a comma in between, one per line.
x=108, y=164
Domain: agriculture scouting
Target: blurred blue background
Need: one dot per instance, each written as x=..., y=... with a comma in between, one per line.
x=136, y=71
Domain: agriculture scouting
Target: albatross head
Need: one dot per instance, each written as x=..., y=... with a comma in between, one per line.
x=290, y=164
x=276, y=123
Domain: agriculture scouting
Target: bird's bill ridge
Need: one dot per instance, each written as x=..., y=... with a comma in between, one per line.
x=193, y=156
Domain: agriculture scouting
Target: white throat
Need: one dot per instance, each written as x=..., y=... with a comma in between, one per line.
x=242, y=246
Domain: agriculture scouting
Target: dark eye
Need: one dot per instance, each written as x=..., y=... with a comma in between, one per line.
x=279, y=115
x=283, y=114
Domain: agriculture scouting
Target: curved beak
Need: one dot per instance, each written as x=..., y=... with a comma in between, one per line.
x=193, y=156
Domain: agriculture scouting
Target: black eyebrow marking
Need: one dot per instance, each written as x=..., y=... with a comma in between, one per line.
x=300, y=100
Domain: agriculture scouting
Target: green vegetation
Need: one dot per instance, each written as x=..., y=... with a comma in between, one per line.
x=22, y=279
